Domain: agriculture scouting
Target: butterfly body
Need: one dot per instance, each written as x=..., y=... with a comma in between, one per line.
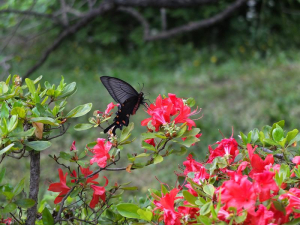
x=128, y=98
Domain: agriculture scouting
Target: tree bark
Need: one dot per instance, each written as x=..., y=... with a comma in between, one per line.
x=34, y=185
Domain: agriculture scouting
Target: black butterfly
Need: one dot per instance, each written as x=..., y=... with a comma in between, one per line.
x=128, y=98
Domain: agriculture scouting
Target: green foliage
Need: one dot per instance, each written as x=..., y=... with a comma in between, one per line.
x=28, y=115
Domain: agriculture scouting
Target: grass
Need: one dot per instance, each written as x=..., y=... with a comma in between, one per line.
x=234, y=92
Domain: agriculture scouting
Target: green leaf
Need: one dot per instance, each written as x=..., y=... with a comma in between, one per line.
x=126, y=132
x=255, y=135
x=68, y=90
x=296, y=139
x=83, y=126
x=45, y=120
x=188, y=141
x=181, y=131
x=145, y=215
x=293, y=222
x=205, y=209
x=129, y=188
x=241, y=218
x=2, y=174
x=13, y=122
x=142, y=155
x=38, y=145
x=280, y=124
x=75, y=192
x=158, y=159
x=79, y=110
x=27, y=133
x=4, y=110
x=25, y=203
x=291, y=135
x=18, y=111
x=47, y=217
x=128, y=210
x=189, y=197
x=9, y=208
x=148, y=135
x=7, y=148
x=238, y=157
x=209, y=189
x=193, y=132
x=277, y=134
x=30, y=86
x=20, y=186
x=190, y=102
x=205, y=220
x=147, y=146
x=65, y=155
x=244, y=138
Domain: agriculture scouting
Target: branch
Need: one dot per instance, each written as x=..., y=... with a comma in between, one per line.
x=139, y=17
x=104, y=7
x=163, y=3
x=34, y=185
x=199, y=24
x=61, y=207
x=62, y=132
x=30, y=13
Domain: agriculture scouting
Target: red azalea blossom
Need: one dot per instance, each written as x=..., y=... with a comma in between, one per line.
x=231, y=193
x=191, y=165
x=60, y=187
x=110, y=106
x=100, y=151
x=227, y=147
x=85, y=172
x=150, y=142
x=264, y=184
x=258, y=165
x=99, y=192
x=73, y=147
x=163, y=109
x=7, y=221
x=262, y=216
x=166, y=204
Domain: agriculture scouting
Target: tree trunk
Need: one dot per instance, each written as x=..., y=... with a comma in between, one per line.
x=34, y=185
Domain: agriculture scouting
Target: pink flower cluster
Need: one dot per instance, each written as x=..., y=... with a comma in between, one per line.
x=164, y=109
x=246, y=186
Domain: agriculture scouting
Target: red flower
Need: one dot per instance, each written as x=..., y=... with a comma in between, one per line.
x=60, y=187
x=163, y=109
x=99, y=192
x=7, y=221
x=258, y=165
x=150, y=142
x=294, y=201
x=100, y=151
x=227, y=147
x=231, y=193
x=265, y=184
x=262, y=216
x=191, y=212
x=296, y=160
x=191, y=165
x=166, y=204
x=110, y=106
x=85, y=172
x=73, y=147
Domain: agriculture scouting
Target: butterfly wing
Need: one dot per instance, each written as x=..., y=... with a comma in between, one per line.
x=119, y=90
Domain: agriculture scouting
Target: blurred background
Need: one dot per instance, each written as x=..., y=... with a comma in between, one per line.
x=238, y=59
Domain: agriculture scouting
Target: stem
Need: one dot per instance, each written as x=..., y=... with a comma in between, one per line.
x=34, y=185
